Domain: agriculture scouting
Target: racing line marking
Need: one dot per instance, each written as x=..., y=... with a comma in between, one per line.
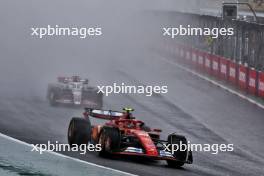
x=67, y=157
x=216, y=83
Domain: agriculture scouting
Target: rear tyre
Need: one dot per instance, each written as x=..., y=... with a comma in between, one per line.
x=79, y=131
x=179, y=155
x=109, y=140
x=51, y=98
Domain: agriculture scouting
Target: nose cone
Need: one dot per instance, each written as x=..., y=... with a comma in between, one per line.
x=147, y=142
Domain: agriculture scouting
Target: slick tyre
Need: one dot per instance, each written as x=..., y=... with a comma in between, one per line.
x=79, y=131
x=179, y=155
x=109, y=140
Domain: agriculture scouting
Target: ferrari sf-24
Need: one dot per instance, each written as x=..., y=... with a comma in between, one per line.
x=123, y=134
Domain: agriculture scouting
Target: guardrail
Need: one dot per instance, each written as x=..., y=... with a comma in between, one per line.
x=245, y=78
x=246, y=45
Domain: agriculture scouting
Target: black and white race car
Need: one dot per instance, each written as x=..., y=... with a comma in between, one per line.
x=74, y=91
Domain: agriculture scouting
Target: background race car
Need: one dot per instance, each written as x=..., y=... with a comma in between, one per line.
x=122, y=134
x=74, y=91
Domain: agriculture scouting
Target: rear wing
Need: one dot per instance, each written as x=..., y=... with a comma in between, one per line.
x=103, y=114
x=64, y=79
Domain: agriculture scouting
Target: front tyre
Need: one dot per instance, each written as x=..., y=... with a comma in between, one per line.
x=181, y=156
x=109, y=140
x=175, y=164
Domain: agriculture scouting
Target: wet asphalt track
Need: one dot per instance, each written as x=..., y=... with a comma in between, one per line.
x=193, y=107
x=31, y=119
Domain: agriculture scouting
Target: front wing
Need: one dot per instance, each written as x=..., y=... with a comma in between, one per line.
x=163, y=155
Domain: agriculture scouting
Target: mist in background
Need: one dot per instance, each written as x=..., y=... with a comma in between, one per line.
x=28, y=64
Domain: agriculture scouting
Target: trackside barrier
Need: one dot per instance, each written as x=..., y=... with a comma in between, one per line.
x=247, y=79
x=261, y=84
x=252, y=81
x=188, y=55
x=194, y=57
x=232, y=75
x=171, y=48
x=242, y=77
x=182, y=53
x=200, y=59
x=215, y=65
x=224, y=68
x=207, y=63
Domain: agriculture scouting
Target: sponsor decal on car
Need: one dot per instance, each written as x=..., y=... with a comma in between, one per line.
x=165, y=153
x=134, y=150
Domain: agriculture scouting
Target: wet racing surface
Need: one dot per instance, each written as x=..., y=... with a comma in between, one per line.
x=31, y=119
x=202, y=112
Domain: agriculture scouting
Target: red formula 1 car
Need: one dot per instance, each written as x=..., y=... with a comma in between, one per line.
x=122, y=134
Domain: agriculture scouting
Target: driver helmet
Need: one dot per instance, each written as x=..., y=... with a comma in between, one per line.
x=128, y=113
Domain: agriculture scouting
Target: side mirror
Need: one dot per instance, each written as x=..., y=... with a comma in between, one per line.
x=157, y=130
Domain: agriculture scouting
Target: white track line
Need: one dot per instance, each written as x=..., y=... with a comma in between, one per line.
x=216, y=83
x=67, y=157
